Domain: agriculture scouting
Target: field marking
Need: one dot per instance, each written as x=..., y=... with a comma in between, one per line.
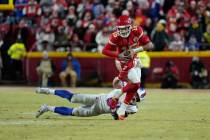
x=28, y=113
x=33, y=122
x=23, y=122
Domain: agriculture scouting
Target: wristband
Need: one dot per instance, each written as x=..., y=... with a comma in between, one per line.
x=139, y=49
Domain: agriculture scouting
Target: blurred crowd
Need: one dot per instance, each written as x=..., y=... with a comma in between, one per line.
x=84, y=25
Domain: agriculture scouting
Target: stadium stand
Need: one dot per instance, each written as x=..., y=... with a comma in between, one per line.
x=72, y=25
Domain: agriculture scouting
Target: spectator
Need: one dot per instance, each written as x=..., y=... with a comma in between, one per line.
x=59, y=7
x=46, y=8
x=97, y=8
x=46, y=2
x=192, y=8
x=45, y=39
x=154, y=11
x=140, y=18
x=87, y=19
x=148, y=27
x=177, y=44
x=70, y=67
x=170, y=75
x=177, y=17
x=21, y=2
x=80, y=15
x=117, y=9
x=109, y=7
x=61, y=38
x=16, y=52
x=19, y=5
x=32, y=9
x=159, y=37
x=102, y=38
x=23, y=33
x=143, y=4
x=71, y=16
x=206, y=38
x=76, y=43
x=89, y=38
x=198, y=74
x=45, y=69
x=79, y=29
x=130, y=8
x=192, y=44
x=195, y=29
x=145, y=65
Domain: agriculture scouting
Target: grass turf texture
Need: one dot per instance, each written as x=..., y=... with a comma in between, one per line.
x=164, y=115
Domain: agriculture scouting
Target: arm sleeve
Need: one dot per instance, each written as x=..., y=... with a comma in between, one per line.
x=109, y=51
x=143, y=39
x=110, y=48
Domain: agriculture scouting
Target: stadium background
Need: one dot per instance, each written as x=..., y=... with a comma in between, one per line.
x=28, y=18
x=166, y=114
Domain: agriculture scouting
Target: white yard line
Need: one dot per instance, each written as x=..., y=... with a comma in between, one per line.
x=23, y=122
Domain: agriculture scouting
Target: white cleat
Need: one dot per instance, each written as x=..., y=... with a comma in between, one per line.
x=42, y=110
x=43, y=90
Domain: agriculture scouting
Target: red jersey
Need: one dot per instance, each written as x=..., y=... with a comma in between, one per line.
x=118, y=44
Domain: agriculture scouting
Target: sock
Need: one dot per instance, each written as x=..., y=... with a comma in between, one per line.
x=64, y=94
x=64, y=111
x=51, y=108
x=52, y=91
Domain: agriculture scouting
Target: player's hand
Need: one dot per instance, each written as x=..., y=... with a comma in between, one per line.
x=116, y=83
x=131, y=53
x=112, y=102
x=124, y=56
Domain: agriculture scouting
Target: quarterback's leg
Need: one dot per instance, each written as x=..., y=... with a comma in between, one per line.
x=134, y=75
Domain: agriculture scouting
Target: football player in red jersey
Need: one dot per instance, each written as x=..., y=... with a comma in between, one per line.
x=123, y=45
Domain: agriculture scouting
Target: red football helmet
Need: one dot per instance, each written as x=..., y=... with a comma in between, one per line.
x=124, y=26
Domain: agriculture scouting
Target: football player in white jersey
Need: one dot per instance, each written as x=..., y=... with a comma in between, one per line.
x=92, y=104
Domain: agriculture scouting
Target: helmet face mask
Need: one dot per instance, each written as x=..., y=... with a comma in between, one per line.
x=124, y=31
x=124, y=26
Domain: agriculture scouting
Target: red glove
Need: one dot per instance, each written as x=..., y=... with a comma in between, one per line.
x=112, y=102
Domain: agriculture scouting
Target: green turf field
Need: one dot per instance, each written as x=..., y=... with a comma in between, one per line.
x=164, y=115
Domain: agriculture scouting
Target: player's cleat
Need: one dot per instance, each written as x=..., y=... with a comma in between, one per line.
x=42, y=110
x=43, y=90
